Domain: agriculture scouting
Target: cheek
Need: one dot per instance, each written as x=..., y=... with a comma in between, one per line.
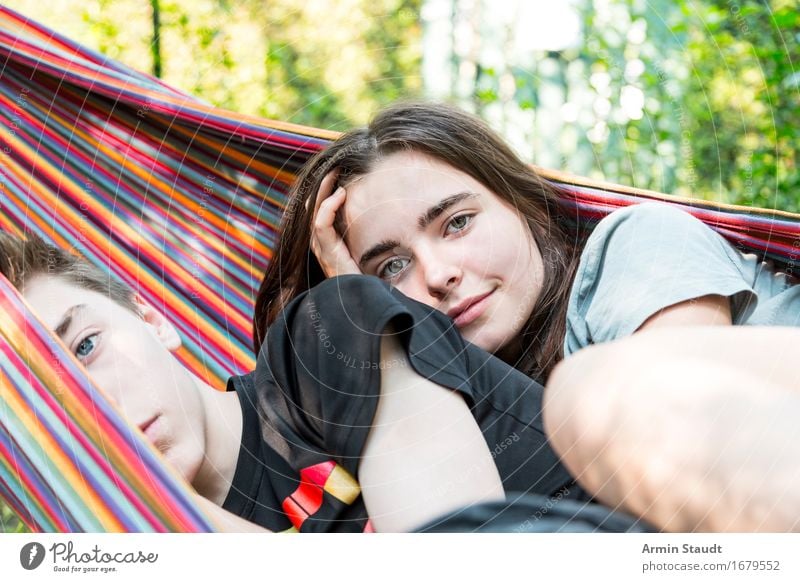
x=493, y=249
x=113, y=380
x=514, y=249
x=413, y=288
x=127, y=371
x=106, y=380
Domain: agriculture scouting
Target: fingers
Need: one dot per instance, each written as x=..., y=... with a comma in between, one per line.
x=326, y=244
x=326, y=212
x=324, y=235
x=325, y=189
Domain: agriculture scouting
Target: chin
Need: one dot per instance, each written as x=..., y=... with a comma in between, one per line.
x=182, y=463
x=484, y=342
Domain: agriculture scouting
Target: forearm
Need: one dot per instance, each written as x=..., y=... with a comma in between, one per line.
x=690, y=428
x=425, y=455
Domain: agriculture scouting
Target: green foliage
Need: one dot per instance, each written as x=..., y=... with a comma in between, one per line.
x=719, y=79
x=722, y=99
x=748, y=125
x=9, y=522
x=319, y=63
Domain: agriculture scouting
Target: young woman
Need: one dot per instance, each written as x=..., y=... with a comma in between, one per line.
x=442, y=167
x=430, y=200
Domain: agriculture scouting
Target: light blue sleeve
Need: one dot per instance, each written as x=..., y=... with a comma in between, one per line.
x=642, y=259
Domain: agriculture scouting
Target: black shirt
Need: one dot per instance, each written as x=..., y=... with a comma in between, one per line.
x=267, y=491
x=313, y=396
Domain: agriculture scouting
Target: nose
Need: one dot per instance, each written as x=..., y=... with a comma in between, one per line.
x=441, y=275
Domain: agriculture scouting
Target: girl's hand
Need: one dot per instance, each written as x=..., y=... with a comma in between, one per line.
x=326, y=244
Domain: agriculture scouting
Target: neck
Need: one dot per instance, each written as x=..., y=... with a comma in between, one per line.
x=223, y=437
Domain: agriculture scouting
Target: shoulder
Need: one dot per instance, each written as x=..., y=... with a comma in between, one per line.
x=649, y=234
x=630, y=238
x=640, y=260
x=646, y=221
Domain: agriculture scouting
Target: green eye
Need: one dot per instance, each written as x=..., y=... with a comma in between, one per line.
x=393, y=268
x=458, y=223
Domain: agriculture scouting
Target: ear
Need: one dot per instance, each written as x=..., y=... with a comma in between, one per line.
x=164, y=330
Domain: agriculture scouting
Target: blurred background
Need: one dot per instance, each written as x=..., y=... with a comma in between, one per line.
x=690, y=97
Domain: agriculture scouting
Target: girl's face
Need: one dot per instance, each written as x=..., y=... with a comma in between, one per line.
x=442, y=238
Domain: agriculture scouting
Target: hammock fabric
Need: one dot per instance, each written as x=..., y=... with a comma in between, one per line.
x=183, y=202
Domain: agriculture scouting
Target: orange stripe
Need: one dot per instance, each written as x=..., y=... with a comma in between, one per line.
x=49, y=446
x=71, y=216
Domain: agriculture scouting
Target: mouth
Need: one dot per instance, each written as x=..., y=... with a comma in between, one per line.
x=149, y=428
x=469, y=310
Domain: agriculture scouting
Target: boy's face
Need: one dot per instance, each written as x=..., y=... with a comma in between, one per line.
x=129, y=358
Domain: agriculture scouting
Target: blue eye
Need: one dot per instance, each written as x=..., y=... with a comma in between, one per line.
x=87, y=346
x=392, y=268
x=459, y=223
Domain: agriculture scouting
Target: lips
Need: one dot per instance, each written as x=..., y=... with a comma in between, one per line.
x=470, y=309
x=149, y=428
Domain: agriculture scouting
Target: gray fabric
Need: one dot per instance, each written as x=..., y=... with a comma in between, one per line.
x=644, y=258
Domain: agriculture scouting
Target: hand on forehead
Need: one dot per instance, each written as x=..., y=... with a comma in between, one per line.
x=403, y=194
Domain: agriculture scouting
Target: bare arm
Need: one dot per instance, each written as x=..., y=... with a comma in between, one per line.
x=692, y=428
x=706, y=310
x=425, y=455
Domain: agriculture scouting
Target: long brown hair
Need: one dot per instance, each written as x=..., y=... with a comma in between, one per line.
x=465, y=143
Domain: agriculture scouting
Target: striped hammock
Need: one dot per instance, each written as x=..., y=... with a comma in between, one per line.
x=182, y=201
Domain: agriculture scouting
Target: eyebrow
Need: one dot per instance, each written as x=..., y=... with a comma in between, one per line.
x=63, y=326
x=424, y=220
